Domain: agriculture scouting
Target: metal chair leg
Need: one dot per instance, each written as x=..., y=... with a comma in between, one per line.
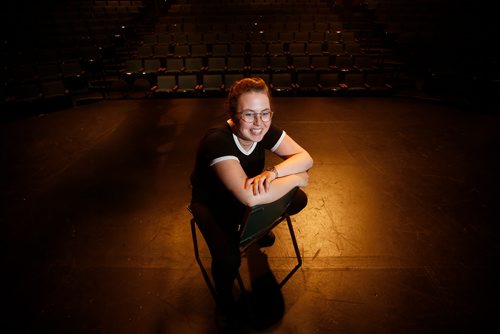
x=297, y=253
x=200, y=264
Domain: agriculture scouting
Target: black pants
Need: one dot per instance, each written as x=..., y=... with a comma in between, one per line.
x=221, y=235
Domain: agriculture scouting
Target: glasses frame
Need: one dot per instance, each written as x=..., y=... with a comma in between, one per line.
x=255, y=114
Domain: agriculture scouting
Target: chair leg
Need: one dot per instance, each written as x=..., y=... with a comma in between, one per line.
x=297, y=253
x=240, y=283
x=200, y=264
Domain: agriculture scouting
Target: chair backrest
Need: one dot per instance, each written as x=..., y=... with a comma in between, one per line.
x=259, y=219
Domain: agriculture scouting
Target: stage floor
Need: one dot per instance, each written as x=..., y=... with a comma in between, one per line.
x=400, y=235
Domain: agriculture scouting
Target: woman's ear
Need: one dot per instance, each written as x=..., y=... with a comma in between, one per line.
x=233, y=117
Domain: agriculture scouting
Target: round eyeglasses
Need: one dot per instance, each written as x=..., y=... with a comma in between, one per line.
x=249, y=116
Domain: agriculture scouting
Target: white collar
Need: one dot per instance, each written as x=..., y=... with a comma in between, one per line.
x=241, y=148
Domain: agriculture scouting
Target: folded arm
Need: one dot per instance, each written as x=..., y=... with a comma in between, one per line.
x=291, y=172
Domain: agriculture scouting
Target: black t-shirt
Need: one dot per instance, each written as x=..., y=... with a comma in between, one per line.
x=220, y=144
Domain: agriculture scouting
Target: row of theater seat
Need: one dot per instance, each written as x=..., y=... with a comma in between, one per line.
x=223, y=25
x=251, y=49
x=42, y=96
x=288, y=36
x=281, y=84
x=258, y=64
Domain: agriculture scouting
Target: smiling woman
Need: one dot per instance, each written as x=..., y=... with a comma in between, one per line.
x=230, y=175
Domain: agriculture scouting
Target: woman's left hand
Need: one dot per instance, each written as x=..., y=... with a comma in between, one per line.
x=260, y=183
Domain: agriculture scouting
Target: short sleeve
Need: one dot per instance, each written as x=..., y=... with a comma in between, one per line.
x=273, y=138
x=217, y=146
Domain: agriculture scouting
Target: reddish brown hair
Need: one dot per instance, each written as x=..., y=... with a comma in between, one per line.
x=243, y=86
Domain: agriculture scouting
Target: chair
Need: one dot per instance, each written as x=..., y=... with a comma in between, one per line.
x=141, y=88
x=281, y=83
x=301, y=36
x=236, y=64
x=193, y=64
x=48, y=72
x=53, y=90
x=73, y=75
x=271, y=36
x=145, y=51
x=363, y=63
x=210, y=37
x=216, y=64
x=164, y=38
x=354, y=82
x=259, y=64
x=276, y=49
x=307, y=83
x=329, y=82
x=161, y=51
x=343, y=63
x=213, y=84
x=55, y=95
x=353, y=48
x=376, y=82
x=315, y=48
x=117, y=88
x=152, y=67
x=335, y=48
x=321, y=63
x=316, y=36
x=179, y=38
x=296, y=49
x=231, y=78
x=348, y=36
x=278, y=64
x=257, y=222
x=258, y=49
x=198, y=50
x=237, y=49
x=182, y=50
x=133, y=67
x=93, y=91
x=174, y=65
x=287, y=36
x=301, y=63
x=188, y=84
x=220, y=50
x=167, y=84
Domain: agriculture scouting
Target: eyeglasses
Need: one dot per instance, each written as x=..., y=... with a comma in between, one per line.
x=249, y=116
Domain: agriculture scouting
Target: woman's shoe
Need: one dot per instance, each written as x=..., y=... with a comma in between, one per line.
x=267, y=240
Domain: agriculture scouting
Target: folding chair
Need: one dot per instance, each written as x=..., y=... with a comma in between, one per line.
x=257, y=222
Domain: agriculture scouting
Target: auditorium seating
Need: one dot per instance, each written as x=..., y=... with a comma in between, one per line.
x=193, y=47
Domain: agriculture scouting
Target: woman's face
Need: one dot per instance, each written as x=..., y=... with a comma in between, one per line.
x=256, y=102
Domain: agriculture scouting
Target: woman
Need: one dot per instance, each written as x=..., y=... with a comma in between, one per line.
x=229, y=175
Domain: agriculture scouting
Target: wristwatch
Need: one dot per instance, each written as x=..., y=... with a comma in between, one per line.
x=273, y=169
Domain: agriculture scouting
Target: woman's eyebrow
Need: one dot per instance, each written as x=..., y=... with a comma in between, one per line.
x=254, y=110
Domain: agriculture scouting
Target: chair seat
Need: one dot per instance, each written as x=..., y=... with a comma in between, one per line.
x=260, y=219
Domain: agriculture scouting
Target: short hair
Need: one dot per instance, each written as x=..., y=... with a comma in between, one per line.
x=245, y=85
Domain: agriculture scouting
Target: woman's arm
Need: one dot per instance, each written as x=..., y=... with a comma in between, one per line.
x=291, y=172
x=296, y=160
x=234, y=178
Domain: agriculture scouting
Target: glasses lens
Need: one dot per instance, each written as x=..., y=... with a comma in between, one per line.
x=265, y=116
x=249, y=117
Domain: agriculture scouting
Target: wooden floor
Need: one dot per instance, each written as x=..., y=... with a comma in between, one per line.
x=401, y=233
